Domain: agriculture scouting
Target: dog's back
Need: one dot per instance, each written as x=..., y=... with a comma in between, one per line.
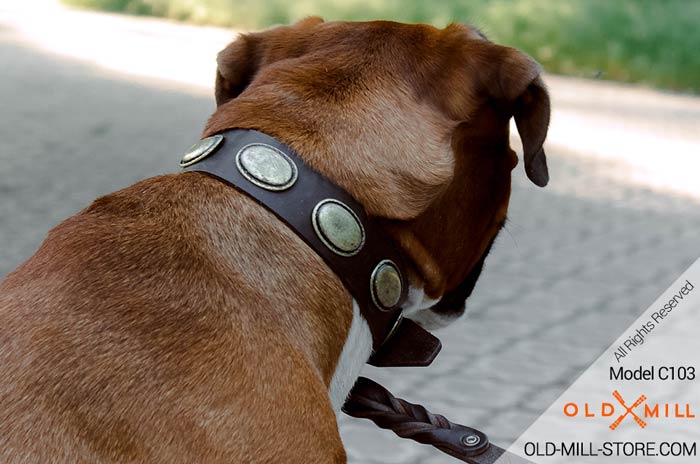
x=127, y=336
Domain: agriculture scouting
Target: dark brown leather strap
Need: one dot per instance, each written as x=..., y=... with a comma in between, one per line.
x=295, y=206
x=369, y=400
x=409, y=346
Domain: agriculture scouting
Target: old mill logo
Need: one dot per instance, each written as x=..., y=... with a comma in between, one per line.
x=640, y=410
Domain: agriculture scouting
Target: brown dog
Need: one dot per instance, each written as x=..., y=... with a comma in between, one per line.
x=179, y=321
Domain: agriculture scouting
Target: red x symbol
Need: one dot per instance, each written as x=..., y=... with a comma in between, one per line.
x=628, y=410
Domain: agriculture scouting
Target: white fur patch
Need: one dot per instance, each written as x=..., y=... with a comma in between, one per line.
x=418, y=310
x=356, y=352
x=430, y=320
x=416, y=301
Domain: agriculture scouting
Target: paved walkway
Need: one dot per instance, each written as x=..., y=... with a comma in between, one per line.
x=579, y=261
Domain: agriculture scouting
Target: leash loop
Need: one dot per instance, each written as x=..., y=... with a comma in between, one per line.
x=369, y=400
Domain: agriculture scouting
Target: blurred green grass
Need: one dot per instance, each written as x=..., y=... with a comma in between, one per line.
x=651, y=42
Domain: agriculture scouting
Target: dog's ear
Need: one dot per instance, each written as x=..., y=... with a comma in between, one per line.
x=532, y=120
x=236, y=67
x=239, y=62
x=514, y=77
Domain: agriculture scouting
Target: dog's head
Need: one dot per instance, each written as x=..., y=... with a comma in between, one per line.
x=411, y=120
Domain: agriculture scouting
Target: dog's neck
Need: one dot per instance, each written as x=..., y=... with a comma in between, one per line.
x=326, y=146
x=299, y=298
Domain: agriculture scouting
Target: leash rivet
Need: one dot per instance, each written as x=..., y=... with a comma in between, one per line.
x=385, y=285
x=338, y=227
x=471, y=440
x=266, y=167
x=201, y=150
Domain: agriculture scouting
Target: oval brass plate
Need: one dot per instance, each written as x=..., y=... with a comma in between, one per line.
x=201, y=150
x=385, y=285
x=266, y=167
x=338, y=227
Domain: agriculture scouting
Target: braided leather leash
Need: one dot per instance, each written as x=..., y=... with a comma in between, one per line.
x=369, y=400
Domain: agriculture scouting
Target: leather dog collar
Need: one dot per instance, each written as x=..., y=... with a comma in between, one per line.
x=333, y=224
